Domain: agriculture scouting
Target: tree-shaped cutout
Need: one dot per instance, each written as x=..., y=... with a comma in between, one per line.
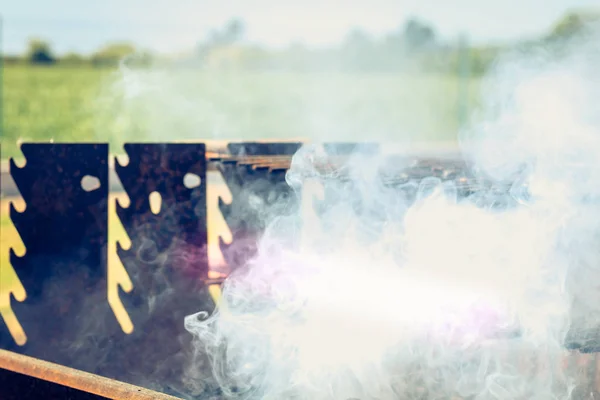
x=10, y=285
x=218, y=231
x=117, y=276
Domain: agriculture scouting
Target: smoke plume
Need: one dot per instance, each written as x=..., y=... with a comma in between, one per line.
x=418, y=289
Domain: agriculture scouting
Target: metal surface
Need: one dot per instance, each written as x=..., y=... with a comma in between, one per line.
x=259, y=189
x=217, y=150
x=46, y=380
x=167, y=260
x=65, y=231
x=263, y=148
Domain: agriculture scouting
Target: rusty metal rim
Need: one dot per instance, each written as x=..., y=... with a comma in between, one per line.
x=76, y=379
x=216, y=150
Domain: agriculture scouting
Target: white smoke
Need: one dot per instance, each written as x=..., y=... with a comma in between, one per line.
x=448, y=297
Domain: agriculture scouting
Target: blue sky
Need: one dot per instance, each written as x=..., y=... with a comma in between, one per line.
x=177, y=25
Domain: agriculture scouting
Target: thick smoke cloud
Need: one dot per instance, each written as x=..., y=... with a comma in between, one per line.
x=414, y=290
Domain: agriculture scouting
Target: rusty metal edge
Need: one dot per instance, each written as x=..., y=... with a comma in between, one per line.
x=76, y=379
x=219, y=149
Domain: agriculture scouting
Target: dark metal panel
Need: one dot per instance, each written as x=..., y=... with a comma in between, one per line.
x=167, y=261
x=258, y=195
x=15, y=386
x=24, y=377
x=263, y=148
x=64, y=229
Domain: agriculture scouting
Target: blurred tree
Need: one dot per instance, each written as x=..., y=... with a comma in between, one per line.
x=359, y=50
x=482, y=58
x=574, y=24
x=234, y=31
x=73, y=59
x=113, y=54
x=231, y=33
x=141, y=58
x=39, y=52
x=358, y=39
x=418, y=35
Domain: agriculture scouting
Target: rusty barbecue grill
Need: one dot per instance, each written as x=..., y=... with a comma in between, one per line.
x=49, y=365
x=23, y=377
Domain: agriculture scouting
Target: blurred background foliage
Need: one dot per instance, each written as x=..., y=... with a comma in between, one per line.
x=408, y=83
x=359, y=51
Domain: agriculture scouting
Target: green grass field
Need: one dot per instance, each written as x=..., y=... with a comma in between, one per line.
x=86, y=104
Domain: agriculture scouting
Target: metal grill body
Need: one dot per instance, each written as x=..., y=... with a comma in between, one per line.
x=65, y=231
